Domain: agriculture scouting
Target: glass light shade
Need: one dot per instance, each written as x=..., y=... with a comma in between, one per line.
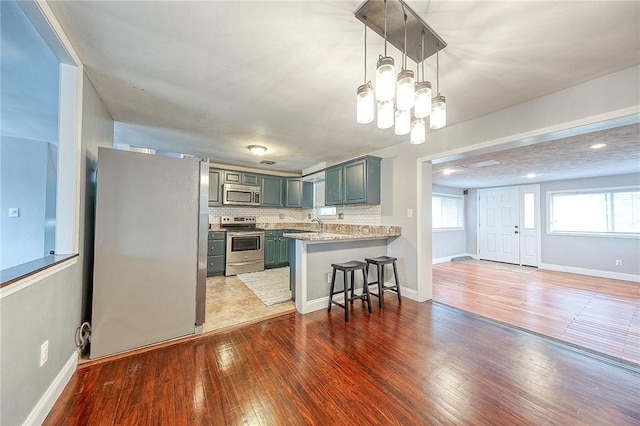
x=417, y=131
x=385, y=114
x=403, y=122
x=438, y=113
x=405, y=90
x=257, y=149
x=385, y=79
x=422, y=106
x=365, y=104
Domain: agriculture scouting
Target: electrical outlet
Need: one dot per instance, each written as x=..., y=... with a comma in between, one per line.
x=309, y=216
x=14, y=212
x=329, y=278
x=409, y=213
x=340, y=215
x=44, y=352
x=618, y=262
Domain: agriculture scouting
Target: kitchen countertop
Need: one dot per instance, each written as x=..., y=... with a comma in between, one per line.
x=333, y=232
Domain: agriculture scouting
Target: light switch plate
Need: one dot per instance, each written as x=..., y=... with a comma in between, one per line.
x=14, y=212
x=409, y=213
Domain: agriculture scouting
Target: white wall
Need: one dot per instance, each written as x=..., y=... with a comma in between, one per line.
x=614, y=95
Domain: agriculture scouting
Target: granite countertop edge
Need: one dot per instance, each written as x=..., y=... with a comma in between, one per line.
x=333, y=232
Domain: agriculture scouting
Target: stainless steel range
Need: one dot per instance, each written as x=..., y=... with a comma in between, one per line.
x=245, y=245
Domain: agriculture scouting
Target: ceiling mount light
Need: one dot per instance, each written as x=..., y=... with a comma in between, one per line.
x=365, y=97
x=417, y=42
x=257, y=149
x=447, y=171
x=438, y=104
x=531, y=175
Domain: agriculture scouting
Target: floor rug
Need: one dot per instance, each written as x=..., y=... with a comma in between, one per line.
x=499, y=266
x=271, y=285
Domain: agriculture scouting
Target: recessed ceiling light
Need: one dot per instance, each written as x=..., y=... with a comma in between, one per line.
x=598, y=145
x=531, y=175
x=481, y=164
x=447, y=171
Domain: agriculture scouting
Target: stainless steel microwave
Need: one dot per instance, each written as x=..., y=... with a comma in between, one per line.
x=240, y=195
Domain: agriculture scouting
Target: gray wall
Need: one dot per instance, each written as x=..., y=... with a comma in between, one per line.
x=597, y=253
x=471, y=221
x=449, y=243
x=52, y=308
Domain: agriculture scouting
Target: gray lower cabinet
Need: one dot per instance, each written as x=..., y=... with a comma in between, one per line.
x=215, y=184
x=276, y=249
x=216, y=253
x=354, y=182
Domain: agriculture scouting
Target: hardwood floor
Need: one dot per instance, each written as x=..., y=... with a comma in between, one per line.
x=598, y=314
x=412, y=363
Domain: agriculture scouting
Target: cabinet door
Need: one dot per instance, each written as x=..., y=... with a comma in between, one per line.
x=272, y=191
x=307, y=195
x=333, y=186
x=270, y=251
x=232, y=177
x=214, y=187
x=355, y=182
x=250, y=179
x=293, y=192
x=283, y=251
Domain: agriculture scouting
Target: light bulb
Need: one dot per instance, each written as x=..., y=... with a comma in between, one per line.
x=438, y=113
x=403, y=122
x=365, y=104
x=405, y=90
x=385, y=79
x=385, y=114
x=422, y=106
x=417, y=131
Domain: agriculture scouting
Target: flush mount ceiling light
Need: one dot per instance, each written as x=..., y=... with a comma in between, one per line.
x=598, y=146
x=257, y=149
x=399, y=25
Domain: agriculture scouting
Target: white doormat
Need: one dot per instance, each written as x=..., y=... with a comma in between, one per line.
x=271, y=285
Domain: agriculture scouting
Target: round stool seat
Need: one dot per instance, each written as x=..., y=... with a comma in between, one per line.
x=352, y=265
x=381, y=260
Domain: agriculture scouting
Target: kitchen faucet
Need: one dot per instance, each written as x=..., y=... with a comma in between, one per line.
x=315, y=219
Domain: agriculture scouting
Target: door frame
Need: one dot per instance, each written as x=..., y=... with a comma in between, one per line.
x=538, y=233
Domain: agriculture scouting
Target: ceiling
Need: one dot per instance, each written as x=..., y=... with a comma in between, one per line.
x=209, y=78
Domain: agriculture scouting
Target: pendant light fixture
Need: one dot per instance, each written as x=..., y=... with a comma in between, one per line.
x=422, y=105
x=438, y=104
x=403, y=121
x=405, y=87
x=385, y=114
x=365, y=99
x=385, y=70
x=418, y=131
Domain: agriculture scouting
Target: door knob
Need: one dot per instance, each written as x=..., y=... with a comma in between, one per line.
x=516, y=226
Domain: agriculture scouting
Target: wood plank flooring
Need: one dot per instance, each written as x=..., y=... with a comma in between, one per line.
x=598, y=314
x=409, y=364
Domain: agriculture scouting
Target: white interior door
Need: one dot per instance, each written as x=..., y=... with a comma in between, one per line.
x=499, y=225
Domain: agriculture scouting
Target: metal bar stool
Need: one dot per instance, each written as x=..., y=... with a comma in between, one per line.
x=351, y=267
x=380, y=262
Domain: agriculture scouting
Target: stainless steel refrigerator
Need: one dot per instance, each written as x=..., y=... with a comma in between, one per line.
x=149, y=278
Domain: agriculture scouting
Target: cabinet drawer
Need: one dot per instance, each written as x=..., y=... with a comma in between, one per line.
x=216, y=235
x=215, y=264
x=216, y=247
x=273, y=233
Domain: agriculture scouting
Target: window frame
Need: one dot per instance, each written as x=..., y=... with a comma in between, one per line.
x=602, y=190
x=462, y=210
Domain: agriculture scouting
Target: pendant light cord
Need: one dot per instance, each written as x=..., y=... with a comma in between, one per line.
x=385, y=28
x=365, y=50
x=404, y=50
x=438, y=69
x=422, y=54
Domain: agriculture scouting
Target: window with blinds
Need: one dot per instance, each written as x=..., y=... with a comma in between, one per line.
x=610, y=211
x=447, y=212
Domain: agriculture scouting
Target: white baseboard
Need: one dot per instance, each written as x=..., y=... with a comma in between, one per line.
x=323, y=302
x=448, y=258
x=591, y=272
x=45, y=404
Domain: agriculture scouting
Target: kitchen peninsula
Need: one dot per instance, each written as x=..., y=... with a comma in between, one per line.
x=312, y=253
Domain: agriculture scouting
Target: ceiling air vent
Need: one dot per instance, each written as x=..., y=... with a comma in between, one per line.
x=267, y=162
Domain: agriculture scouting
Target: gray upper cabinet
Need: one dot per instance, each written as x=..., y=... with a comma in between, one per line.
x=272, y=191
x=293, y=192
x=354, y=182
x=215, y=187
x=243, y=178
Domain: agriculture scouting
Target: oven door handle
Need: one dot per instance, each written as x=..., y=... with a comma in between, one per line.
x=246, y=263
